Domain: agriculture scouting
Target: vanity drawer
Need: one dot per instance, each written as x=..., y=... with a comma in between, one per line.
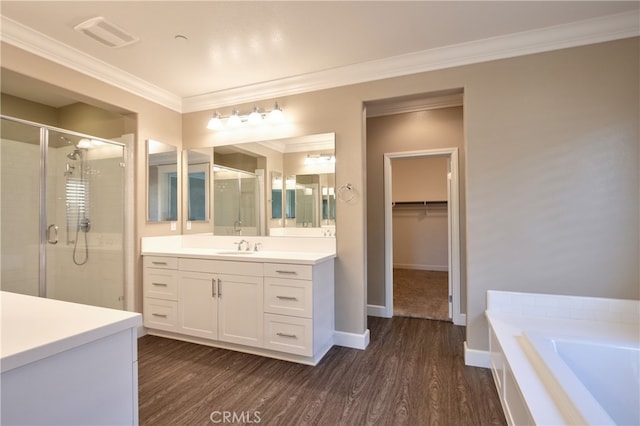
x=160, y=283
x=160, y=314
x=162, y=262
x=221, y=267
x=288, y=297
x=288, y=270
x=288, y=334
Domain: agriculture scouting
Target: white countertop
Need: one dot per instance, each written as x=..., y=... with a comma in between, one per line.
x=298, y=257
x=33, y=328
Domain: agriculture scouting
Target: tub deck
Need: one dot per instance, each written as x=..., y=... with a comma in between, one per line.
x=527, y=397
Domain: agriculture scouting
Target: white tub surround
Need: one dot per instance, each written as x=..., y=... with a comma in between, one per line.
x=277, y=301
x=66, y=363
x=535, y=382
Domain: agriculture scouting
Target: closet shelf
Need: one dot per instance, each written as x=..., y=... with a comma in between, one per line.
x=428, y=208
x=417, y=203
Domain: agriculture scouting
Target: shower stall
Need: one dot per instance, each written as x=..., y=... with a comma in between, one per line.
x=62, y=214
x=237, y=201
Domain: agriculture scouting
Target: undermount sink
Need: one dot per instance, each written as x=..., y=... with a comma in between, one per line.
x=236, y=252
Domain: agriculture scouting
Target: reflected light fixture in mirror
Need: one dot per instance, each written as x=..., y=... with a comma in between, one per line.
x=320, y=159
x=236, y=119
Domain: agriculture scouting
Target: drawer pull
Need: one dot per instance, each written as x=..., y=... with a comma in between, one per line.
x=286, y=298
x=159, y=315
x=287, y=272
x=160, y=284
x=159, y=263
x=290, y=336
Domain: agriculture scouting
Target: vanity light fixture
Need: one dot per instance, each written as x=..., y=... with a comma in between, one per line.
x=256, y=117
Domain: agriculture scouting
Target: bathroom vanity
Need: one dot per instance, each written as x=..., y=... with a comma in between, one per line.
x=272, y=302
x=67, y=363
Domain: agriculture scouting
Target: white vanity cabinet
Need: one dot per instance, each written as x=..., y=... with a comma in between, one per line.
x=221, y=306
x=282, y=310
x=299, y=308
x=160, y=290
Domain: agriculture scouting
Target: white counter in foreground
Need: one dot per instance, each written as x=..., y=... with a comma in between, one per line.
x=66, y=363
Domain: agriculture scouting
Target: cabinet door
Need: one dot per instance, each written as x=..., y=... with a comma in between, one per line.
x=240, y=301
x=197, y=299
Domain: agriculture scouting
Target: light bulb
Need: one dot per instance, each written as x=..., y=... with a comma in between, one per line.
x=276, y=115
x=234, y=119
x=215, y=123
x=255, y=117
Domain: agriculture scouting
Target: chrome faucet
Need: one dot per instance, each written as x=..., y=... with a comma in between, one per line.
x=248, y=245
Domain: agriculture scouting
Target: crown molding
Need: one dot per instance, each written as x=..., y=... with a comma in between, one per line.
x=25, y=38
x=378, y=109
x=598, y=30
x=574, y=34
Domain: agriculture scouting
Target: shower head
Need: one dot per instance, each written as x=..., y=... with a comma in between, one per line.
x=75, y=154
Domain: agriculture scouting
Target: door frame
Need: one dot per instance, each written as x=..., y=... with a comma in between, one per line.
x=453, y=219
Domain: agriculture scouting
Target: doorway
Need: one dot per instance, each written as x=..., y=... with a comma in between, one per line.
x=436, y=206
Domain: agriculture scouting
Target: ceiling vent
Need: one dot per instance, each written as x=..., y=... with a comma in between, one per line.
x=105, y=32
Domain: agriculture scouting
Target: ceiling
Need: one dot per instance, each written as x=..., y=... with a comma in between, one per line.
x=235, y=50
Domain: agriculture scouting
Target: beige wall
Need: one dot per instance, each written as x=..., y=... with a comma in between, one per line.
x=420, y=179
x=552, y=185
x=552, y=191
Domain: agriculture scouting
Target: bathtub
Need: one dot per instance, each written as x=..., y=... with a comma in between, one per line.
x=593, y=382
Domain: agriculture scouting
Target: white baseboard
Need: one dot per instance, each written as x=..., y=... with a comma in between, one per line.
x=460, y=319
x=142, y=331
x=476, y=358
x=377, y=311
x=351, y=340
x=443, y=268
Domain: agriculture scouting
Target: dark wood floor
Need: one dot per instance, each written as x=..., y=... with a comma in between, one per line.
x=412, y=373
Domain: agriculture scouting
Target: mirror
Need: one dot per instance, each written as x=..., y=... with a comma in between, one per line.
x=278, y=187
x=198, y=188
x=276, y=195
x=162, y=182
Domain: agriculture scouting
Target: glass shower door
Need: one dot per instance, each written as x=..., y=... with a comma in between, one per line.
x=85, y=220
x=235, y=202
x=19, y=208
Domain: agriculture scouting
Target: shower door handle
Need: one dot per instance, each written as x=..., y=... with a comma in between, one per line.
x=52, y=230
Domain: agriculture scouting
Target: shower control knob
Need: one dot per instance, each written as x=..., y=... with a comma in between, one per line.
x=85, y=225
